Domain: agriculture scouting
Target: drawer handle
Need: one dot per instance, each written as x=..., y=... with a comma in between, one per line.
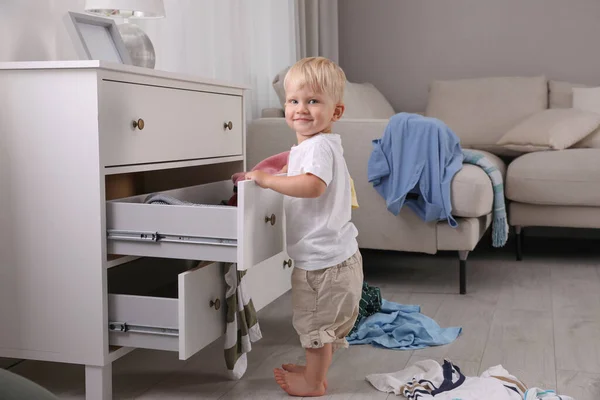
x=216, y=304
x=271, y=219
x=139, y=124
x=228, y=125
x=287, y=263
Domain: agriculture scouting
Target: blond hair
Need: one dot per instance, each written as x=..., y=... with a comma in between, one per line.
x=320, y=75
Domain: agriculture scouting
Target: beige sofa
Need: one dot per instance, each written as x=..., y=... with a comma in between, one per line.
x=480, y=112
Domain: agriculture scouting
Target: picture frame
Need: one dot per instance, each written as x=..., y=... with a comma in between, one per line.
x=96, y=38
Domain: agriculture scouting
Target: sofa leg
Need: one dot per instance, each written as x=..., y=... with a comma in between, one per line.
x=519, y=242
x=462, y=256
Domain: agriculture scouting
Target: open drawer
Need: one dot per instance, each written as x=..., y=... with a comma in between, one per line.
x=247, y=234
x=183, y=311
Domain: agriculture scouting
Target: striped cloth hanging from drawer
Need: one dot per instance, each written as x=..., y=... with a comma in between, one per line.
x=242, y=325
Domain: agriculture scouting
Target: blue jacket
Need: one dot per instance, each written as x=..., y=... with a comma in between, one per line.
x=417, y=155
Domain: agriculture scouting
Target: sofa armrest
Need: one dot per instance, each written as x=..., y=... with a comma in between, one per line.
x=272, y=113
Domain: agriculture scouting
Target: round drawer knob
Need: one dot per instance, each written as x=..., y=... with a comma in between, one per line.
x=215, y=303
x=287, y=263
x=272, y=219
x=228, y=125
x=139, y=124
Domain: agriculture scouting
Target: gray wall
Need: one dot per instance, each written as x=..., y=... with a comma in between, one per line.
x=402, y=45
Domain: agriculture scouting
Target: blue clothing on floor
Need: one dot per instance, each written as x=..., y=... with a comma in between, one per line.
x=417, y=155
x=401, y=327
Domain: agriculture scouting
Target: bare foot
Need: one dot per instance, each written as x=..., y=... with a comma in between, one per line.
x=295, y=384
x=298, y=369
x=294, y=368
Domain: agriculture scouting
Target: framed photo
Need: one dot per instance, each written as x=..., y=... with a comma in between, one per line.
x=96, y=38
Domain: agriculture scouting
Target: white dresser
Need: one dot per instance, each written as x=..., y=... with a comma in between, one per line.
x=88, y=270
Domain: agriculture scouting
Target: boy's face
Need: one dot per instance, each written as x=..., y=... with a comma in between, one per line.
x=308, y=112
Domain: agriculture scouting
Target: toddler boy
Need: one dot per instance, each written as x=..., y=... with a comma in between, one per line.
x=327, y=276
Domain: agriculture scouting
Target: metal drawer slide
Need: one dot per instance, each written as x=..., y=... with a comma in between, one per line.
x=156, y=237
x=124, y=327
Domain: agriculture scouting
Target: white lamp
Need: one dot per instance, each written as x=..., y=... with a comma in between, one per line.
x=137, y=42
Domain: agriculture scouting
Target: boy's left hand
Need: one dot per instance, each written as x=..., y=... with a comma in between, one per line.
x=261, y=178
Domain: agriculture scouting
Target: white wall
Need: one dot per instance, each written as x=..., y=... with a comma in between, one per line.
x=33, y=29
x=242, y=41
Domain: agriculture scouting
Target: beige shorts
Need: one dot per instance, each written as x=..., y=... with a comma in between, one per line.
x=325, y=302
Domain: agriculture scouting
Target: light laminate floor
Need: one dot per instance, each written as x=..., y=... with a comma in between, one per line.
x=539, y=318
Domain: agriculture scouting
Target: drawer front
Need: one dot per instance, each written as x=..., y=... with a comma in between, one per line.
x=189, y=232
x=177, y=124
x=202, y=308
x=260, y=226
x=187, y=323
x=247, y=234
x=268, y=280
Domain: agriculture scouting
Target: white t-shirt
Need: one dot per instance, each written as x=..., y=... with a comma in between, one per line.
x=319, y=233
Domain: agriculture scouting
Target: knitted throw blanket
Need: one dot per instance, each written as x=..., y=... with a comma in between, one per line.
x=242, y=325
x=500, y=221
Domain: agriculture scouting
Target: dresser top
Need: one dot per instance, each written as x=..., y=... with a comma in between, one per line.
x=110, y=66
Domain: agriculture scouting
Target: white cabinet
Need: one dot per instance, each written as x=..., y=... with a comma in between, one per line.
x=73, y=257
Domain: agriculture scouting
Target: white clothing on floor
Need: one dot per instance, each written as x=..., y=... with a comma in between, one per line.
x=477, y=389
x=537, y=393
x=429, y=380
x=422, y=371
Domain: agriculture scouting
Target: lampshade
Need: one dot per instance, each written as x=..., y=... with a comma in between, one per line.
x=126, y=8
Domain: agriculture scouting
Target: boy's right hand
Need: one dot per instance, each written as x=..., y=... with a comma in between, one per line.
x=261, y=178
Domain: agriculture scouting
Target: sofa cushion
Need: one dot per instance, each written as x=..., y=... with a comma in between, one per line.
x=362, y=100
x=480, y=111
x=272, y=113
x=552, y=129
x=568, y=177
x=278, y=85
x=588, y=99
x=560, y=93
x=591, y=141
x=471, y=189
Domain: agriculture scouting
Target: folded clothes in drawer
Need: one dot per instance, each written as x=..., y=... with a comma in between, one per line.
x=159, y=198
x=195, y=226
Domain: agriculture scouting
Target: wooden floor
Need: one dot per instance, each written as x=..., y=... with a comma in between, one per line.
x=539, y=318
